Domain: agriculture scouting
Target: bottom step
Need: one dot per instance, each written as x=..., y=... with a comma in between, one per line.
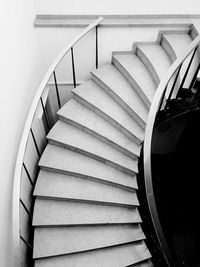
x=118, y=256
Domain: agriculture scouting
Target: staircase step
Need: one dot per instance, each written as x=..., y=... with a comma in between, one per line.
x=72, y=138
x=114, y=83
x=155, y=59
x=65, y=161
x=175, y=44
x=66, y=240
x=137, y=74
x=93, y=97
x=179, y=43
x=118, y=256
x=83, y=118
x=60, y=186
x=52, y=212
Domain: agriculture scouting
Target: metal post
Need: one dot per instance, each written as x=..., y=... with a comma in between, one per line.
x=73, y=67
x=35, y=143
x=97, y=56
x=57, y=92
x=45, y=113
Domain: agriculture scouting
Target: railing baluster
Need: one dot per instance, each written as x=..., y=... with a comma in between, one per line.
x=35, y=143
x=174, y=84
x=97, y=48
x=186, y=72
x=45, y=114
x=194, y=77
x=26, y=209
x=162, y=99
x=28, y=174
x=73, y=67
x=57, y=92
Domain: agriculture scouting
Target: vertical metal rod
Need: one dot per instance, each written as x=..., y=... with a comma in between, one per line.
x=97, y=48
x=194, y=77
x=57, y=92
x=73, y=67
x=174, y=84
x=27, y=173
x=162, y=99
x=35, y=143
x=187, y=70
x=45, y=114
x=26, y=209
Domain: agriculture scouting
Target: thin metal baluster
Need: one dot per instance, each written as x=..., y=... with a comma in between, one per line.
x=174, y=83
x=28, y=174
x=187, y=70
x=57, y=92
x=162, y=99
x=97, y=55
x=45, y=114
x=73, y=67
x=194, y=77
x=35, y=143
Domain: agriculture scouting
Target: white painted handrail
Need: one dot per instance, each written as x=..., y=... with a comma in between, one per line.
x=147, y=147
x=23, y=143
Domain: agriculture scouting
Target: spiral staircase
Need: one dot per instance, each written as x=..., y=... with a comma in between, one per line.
x=86, y=210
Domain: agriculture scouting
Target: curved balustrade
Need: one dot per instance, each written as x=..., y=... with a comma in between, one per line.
x=170, y=87
x=42, y=115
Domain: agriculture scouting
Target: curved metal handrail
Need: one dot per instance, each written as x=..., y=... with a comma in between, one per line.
x=147, y=148
x=24, y=139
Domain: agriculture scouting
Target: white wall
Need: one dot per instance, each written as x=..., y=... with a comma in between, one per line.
x=20, y=71
x=117, y=7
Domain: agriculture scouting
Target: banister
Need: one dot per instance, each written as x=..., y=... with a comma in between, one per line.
x=24, y=138
x=147, y=148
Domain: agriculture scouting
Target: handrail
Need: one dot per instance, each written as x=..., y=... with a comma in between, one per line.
x=147, y=148
x=24, y=138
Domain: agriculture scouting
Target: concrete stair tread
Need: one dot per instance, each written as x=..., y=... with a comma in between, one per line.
x=65, y=240
x=156, y=59
x=116, y=85
x=75, y=139
x=60, y=186
x=137, y=74
x=118, y=256
x=91, y=95
x=69, y=162
x=51, y=212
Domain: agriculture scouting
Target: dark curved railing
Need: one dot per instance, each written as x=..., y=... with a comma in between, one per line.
x=178, y=77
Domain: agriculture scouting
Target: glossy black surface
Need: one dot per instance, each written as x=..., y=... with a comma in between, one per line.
x=176, y=175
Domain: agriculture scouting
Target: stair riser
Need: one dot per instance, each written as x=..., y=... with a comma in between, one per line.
x=107, y=118
x=91, y=178
x=135, y=86
x=93, y=156
x=131, y=112
x=100, y=137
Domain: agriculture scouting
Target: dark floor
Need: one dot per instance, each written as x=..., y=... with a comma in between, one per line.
x=177, y=192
